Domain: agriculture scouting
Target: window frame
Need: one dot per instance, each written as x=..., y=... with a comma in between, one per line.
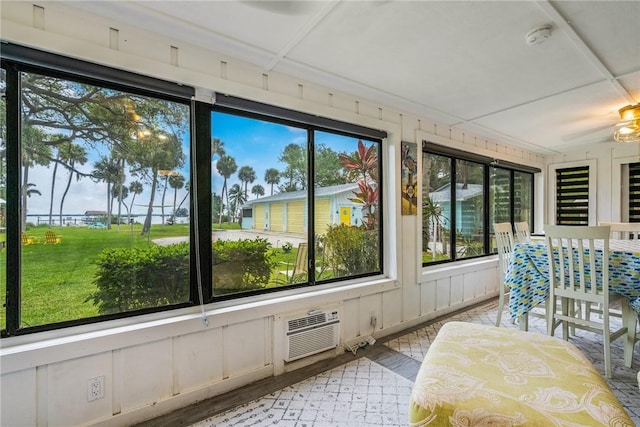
x=552, y=194
x=17, y=59
x=272, y=114
x=454, y=155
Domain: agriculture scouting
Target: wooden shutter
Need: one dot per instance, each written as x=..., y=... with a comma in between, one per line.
x=634, y=192
x=572, y=196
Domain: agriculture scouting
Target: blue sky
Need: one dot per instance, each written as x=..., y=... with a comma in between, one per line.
x=251, y=142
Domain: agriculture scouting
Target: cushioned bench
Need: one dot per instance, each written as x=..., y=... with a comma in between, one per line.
x=483, y=375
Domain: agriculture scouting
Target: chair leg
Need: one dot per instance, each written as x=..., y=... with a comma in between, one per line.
x=606, y=334
x=500, y=305
x=524, y=322
x=630, y=320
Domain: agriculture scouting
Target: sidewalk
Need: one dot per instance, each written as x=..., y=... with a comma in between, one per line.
x=275, y=238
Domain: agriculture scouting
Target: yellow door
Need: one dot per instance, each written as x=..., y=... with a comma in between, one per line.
x=323, y=216
x=345, y=215
x=258, y=217
x=295, y=217
x=276, y=217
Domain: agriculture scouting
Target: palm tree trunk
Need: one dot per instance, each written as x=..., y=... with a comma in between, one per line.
x=53, y=186
x=147, y=221
x=66, y=190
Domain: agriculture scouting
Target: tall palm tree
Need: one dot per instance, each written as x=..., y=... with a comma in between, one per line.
x=271, y=177
x=176, y=182
x=247, y=175
x=237, y=199
x=135, y=188
x=72, y=154
x=34, y=152
x=217, y=148
x=107, y=170
x=226, y=167
x=257, y=190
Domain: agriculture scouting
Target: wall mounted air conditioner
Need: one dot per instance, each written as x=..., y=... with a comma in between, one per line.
x=316, y=332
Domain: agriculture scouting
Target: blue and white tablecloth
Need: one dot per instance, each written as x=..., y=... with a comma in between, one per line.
x=528, y=274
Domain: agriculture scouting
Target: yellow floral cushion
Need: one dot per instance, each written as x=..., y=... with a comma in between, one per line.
x=476, y=375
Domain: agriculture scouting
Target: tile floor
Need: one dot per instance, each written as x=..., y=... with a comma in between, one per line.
x=374, y=390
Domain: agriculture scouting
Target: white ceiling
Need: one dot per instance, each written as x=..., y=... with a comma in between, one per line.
x=465, y=64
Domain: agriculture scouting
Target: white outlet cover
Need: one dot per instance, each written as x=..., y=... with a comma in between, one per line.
x=95, y=389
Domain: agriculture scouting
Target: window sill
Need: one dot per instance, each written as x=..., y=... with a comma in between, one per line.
x=455, y=268
x=37, y=349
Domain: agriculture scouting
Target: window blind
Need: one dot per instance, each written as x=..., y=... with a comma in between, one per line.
x=572, y=196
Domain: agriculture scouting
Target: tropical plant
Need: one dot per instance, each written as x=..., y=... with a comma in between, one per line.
x=432, y=219
x=135, y=188
x=247, y=175
x=257, y=190
x=363, y=167
x=272, y=177
x=226, y=166
x=71, y=154
x=295, y=157
x=176, y=181
x=107, y=170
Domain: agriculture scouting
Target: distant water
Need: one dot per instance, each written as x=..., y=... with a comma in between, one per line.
x=81, y=220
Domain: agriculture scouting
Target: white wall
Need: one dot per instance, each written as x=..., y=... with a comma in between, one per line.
x=155, y=363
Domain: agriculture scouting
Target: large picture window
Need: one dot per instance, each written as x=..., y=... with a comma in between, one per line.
x=120, y=195
x=457, y=219
x=296, y=203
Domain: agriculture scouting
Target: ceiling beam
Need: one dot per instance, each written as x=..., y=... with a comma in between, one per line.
x=583, y=48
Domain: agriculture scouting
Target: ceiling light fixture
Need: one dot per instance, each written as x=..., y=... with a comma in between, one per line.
x=538, y=35
x=630, y=131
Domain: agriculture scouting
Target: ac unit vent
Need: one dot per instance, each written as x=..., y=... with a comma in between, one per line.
x=303, y=322
x=317, y=332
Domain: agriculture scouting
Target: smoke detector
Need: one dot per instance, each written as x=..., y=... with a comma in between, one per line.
x=538, y=35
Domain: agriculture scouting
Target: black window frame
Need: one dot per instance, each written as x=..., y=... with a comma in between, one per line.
x=255, y=110
x=455, y=155
x=16, y=59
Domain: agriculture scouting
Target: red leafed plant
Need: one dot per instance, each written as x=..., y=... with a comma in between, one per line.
x=363, y=164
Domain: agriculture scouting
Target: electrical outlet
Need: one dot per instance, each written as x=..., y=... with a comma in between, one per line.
x=95, y=389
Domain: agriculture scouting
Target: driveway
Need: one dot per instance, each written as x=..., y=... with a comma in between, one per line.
x=275, y=238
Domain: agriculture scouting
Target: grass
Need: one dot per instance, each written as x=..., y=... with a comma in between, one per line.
x=57, y=279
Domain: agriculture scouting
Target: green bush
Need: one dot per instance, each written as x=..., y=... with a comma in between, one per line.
x=352, y=250
x=130, y=279
x=241, y=265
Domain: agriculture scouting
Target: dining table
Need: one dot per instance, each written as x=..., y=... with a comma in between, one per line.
x=527, y=274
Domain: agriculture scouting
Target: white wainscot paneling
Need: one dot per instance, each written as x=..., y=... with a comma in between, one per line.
x=147, y=374
x=198, y=359
x=427, y=297
x=67, y=383
x=369, y=304
x=457, y=290
x=245, y=346
x=350, y=322
x=18, y=398
x=469, y=285
x=443, y=293
x=392, y=315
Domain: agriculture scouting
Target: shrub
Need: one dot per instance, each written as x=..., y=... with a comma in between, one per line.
x=352, y=249
x=241, y=265
x=130, y=279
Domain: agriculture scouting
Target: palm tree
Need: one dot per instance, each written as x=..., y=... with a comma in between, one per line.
x=107, y=170
x=176, y=181
x=135, y=188
x=34, y=152
x=226, y=167
x=246, y=175
x=217, y=147
x=271, y=177
x=71, y=154
x=237, y=198
x=257, y=190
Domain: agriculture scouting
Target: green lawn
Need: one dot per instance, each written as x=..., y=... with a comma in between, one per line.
x=56, y=279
